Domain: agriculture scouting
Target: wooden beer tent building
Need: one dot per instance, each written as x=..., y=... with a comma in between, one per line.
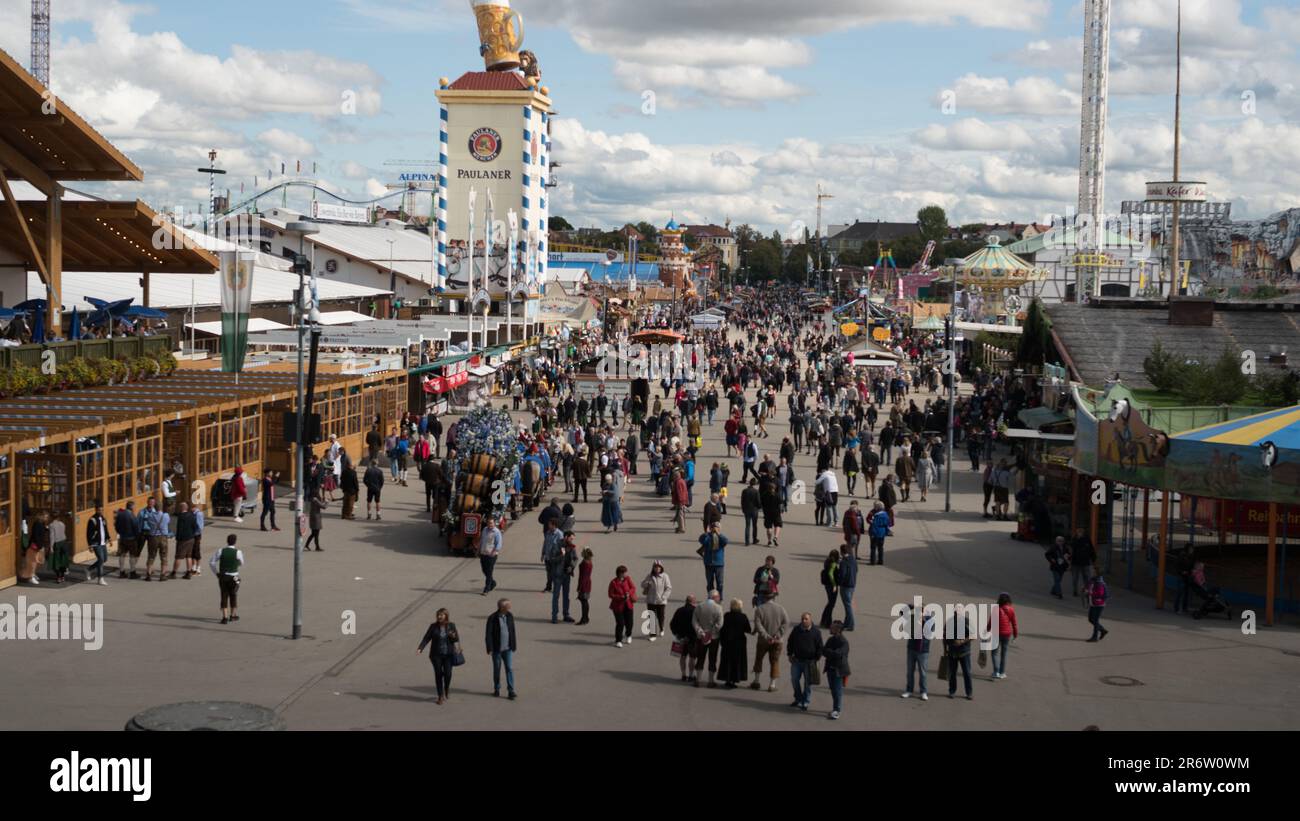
x=62, y=451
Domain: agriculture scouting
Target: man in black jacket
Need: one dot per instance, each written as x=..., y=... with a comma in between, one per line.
x=750, y=502
x=351, y=488
x=552, y=512
x=374, y=482
x=682, y=625
x=501, y=646
x=431, y=475
x=435, y=431
x=889, y=496
x=97, y=539
x=804, y=647
x=127, y=528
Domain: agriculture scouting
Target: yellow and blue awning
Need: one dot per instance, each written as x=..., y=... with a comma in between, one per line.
x=1281, y=427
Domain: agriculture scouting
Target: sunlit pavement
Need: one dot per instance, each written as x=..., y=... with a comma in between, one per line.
x=164, y=643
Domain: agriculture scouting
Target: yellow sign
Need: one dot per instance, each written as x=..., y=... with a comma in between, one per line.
x=849, y=329
x=880, y=334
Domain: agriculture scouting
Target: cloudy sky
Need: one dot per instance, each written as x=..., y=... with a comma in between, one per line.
x=712, y=110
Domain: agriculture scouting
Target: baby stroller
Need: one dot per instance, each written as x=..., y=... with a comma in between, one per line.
x=1212, y=601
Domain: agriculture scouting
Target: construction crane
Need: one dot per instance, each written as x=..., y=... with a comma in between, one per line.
x=41, y=41
x=411, y=186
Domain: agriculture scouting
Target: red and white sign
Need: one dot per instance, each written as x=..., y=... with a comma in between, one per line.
x=452, y=377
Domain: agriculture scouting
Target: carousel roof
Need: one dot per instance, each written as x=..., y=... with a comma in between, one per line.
x=994, y=264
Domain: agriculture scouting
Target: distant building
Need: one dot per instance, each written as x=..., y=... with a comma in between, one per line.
x=719, y=237
x=866, y=235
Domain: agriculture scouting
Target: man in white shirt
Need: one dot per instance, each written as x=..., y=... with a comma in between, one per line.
x=226, y=564
x=830, y=488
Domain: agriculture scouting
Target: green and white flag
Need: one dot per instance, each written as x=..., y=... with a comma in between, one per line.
x=236, y=300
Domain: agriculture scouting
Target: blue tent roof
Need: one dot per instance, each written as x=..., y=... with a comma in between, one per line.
x=1281, y=427
x=618, y=271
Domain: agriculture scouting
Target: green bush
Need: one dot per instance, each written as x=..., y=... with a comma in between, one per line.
x=1165, y=370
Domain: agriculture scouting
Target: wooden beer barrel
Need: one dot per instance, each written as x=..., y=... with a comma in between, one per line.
x=478, y=485
x=466, y=504
x=481, y=464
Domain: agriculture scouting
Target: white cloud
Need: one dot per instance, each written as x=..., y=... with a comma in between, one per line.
x=976, y=135
x=998, y=95
x=353, y=170
x=286, y=144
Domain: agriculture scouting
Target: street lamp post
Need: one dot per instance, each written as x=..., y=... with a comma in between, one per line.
x=212, y=171
x=303, y=229
x=392, y=277
x=952, y=392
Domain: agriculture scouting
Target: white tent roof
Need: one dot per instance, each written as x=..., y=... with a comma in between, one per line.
x=255, y=325
x=174, y=290
x=343, y=318
x=411, y=251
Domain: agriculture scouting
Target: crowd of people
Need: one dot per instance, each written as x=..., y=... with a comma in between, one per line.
x=865, y=442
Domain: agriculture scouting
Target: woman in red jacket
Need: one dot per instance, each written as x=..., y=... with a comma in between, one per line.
x=238, y=493
x=1007, y=630
x=622, y=598
x=584, y=585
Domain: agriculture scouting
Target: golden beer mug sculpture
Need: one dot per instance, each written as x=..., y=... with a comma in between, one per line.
x=500, y=33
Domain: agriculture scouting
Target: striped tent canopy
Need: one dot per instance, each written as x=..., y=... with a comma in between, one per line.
x=994, y=267
x=1280, y=427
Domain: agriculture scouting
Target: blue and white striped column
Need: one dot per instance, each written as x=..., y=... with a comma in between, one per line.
x=543, y=177
x=528, y=164
x=441, y=284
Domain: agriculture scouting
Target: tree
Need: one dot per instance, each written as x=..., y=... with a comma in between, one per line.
x=1218, y=383
x=907, y=250
x=934, y=223
x=1035, y=338
x=558, y=224
x=648, y=231
x=1278, y=388
x=1164, y=369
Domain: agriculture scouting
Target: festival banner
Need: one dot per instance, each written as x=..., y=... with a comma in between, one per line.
x=236, y=300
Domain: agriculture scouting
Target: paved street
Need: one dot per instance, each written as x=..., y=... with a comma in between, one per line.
x=164, y=644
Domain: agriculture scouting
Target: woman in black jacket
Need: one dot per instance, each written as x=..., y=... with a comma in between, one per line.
x=446, y=646
x=836, y=653
x=734, y=637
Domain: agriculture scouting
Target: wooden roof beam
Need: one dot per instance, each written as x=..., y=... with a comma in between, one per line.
x=25, y=169
x=17, y=214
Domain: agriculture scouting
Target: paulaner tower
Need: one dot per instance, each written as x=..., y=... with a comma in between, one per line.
x=494, y=138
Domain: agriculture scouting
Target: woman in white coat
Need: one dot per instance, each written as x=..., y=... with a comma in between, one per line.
x=657, y=587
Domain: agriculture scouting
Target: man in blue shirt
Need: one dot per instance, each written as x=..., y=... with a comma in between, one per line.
x=712, y=550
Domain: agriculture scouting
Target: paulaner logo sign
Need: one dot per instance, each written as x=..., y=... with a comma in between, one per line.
x=128, y=775
x=54, y=622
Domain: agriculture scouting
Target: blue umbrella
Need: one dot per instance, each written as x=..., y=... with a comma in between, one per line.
x=141, y=312
x=38, y=326
x=74, y=333
x=32, y=305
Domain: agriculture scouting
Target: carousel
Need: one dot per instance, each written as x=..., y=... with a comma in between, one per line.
x=993, y=278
